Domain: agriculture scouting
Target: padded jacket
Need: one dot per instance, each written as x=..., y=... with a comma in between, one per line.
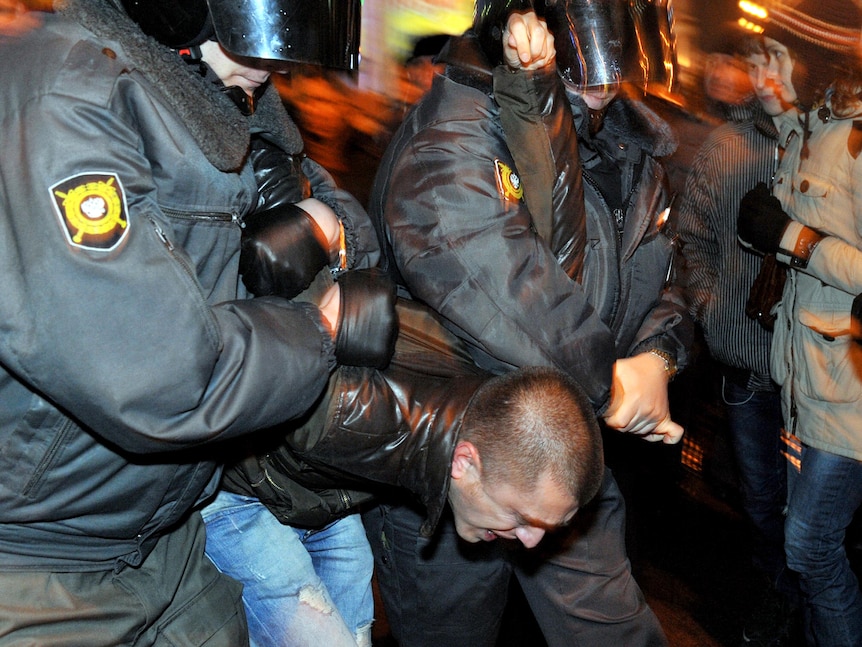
x=128, y=342
x=372, y=429
x=815, y=358
x=630, y=260
x=457, y=233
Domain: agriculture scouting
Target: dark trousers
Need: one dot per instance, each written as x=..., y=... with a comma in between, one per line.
x=578, y=582
x=176, y=598
x=754, y=424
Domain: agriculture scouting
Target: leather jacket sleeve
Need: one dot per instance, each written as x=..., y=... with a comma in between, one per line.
x=544, y=145
x=287, y=178
x=396, y=427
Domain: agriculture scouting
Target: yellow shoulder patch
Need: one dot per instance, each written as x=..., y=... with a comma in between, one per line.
x=92, y=210
x=508, y=182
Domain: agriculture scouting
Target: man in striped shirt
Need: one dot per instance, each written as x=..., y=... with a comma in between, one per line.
x=734, y=158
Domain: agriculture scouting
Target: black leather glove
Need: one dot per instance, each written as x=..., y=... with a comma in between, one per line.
x=762, y=224
x=761, y=221
x=282, y=250
x=367, y=323
x=279, y=175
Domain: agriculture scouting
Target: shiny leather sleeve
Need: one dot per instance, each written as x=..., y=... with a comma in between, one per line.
x=372, y=429
x=540, y=133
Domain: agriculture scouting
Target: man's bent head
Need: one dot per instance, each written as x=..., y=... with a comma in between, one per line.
x=528, y=457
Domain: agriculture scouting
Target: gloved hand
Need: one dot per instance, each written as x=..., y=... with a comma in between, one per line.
x=763, y=226
x=367, y=323
x=761, y=221
x=281, y=252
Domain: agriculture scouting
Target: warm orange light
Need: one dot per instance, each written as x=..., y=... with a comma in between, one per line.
x=756, y=10
x=750, y=26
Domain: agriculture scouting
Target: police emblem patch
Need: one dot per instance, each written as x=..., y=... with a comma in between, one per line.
x=92, y=210
x=508, y=182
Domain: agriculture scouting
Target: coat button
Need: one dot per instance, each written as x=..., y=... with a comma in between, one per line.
x=804, y=186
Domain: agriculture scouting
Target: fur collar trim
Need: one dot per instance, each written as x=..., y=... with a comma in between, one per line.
x=219, y=128
x=630, y=121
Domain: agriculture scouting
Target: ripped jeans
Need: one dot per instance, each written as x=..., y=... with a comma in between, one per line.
x=302, y=588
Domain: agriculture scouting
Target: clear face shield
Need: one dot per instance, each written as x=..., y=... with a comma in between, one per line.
x=321, y=32
x=589, y=38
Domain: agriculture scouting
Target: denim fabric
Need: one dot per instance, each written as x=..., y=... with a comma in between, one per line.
x=755, y=423
x=302, y=588
x=824, y=493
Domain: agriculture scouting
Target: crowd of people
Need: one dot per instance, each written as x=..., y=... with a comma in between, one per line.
x=239, y=379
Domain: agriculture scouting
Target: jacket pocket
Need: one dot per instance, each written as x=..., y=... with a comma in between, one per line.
x=811, y=199
x=828, y=361
x=35, y=444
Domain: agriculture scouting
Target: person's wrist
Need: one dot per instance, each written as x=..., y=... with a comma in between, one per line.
x=668, y=362
x=330, y=308
x=797, y=244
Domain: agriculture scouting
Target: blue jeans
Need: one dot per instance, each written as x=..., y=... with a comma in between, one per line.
x=302, y=588
x=824, y=493
x=754, y=424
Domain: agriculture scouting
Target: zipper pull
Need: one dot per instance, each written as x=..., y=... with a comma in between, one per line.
x=162, y=236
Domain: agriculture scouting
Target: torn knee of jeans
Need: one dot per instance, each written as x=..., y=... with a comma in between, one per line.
x=317, y=598
x=363, y=636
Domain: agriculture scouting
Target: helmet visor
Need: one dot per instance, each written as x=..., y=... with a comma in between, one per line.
x=588, y=35
x=303, y=31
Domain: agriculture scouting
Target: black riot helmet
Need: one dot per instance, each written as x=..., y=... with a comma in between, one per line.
x=653, y=54
x=323, y=32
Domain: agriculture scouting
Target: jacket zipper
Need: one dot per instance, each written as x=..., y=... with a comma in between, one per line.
x=48, y=458
x=219, y=216
x=618, y=244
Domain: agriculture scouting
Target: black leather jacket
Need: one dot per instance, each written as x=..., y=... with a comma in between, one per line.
x=396, y=427
x=371, y=428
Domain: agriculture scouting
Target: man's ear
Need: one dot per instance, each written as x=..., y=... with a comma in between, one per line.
x=465, y=459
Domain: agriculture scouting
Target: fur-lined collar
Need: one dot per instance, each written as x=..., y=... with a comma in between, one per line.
x=215, y=122
x=630, y=121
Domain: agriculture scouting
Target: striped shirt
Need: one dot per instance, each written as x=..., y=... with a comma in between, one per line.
x=734, y=158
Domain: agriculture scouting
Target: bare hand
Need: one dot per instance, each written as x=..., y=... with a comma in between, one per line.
x=330, y=308
x=639, y=402
x=527, y=43
x=326, y=219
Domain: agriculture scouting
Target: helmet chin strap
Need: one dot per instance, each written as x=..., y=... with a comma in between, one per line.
x=244, y=101
x=191, y=54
